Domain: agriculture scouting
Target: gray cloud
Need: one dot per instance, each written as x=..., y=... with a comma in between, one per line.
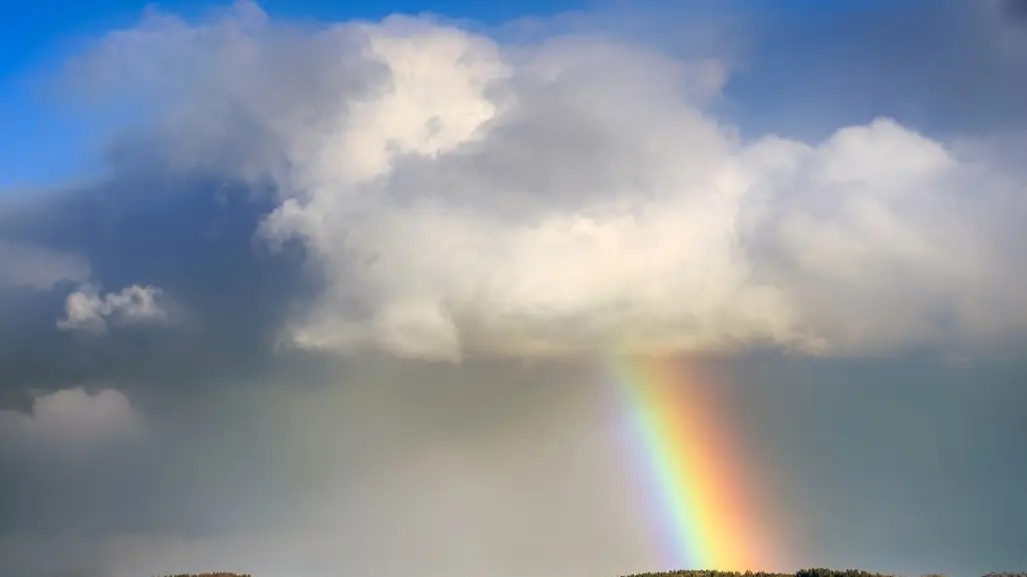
x=192, y=237
x=26, y=266
x=398, y=466
x=70, y=420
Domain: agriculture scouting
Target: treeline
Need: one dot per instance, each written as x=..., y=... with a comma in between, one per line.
x=817, y=572
x=219, y=574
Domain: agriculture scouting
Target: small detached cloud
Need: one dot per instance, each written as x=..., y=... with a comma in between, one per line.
x=86, y=309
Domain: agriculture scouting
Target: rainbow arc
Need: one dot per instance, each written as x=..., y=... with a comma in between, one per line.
x=702, y=500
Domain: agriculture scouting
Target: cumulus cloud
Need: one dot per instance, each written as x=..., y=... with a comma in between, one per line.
x=459, y=197
x=87, y=309
x=26, y=266
x=72, y=420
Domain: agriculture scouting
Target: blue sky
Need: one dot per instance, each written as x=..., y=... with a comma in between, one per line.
x=42, y=144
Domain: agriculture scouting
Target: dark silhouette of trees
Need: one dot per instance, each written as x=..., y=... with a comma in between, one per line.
x=217, y=574
x=815, y=572
x=712, y=573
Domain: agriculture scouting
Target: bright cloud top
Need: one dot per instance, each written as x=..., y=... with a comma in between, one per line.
x=460, y=197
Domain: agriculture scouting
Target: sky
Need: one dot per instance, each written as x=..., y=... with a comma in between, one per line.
x=311, y=290
x=35, y=41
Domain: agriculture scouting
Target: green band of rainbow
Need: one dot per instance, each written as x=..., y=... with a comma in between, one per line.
x=701, y=503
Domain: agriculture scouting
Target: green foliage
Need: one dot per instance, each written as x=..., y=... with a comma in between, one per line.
x=821, y=572
x=817, y=572
x=711, y=573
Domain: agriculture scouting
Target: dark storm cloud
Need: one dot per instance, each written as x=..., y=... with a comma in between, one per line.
x=1015, y=10
x=395, y=467
x=193, y=237
x=190, y=236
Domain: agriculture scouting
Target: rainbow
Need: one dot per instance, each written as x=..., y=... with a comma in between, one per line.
x=699, y=496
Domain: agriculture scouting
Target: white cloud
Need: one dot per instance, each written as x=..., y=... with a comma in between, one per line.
x=71, y=420
x=462, y=197
x=39, y=268
x=87, y=309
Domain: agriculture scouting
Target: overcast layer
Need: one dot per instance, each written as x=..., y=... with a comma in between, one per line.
x=341, y=298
